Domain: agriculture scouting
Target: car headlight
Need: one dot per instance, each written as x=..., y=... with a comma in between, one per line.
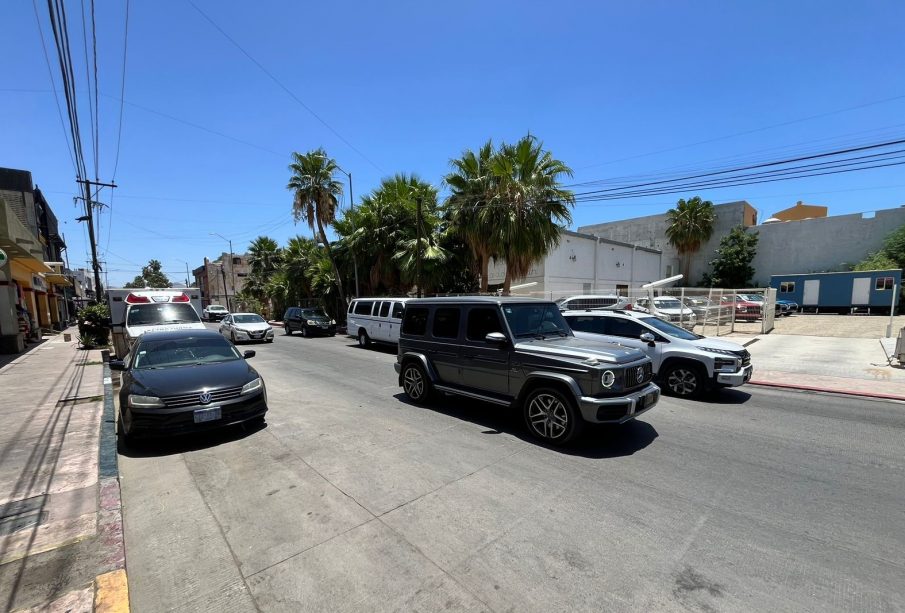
x=145, y=402
x=720, y=351
x=252, y=386
x=332, y=322
x=241, y=331
x=311, y=322
x=269, y=329
x=607, y=379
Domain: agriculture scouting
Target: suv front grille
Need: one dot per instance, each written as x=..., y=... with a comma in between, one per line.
x=745, y=356
x=636, y=376
x=188, y=400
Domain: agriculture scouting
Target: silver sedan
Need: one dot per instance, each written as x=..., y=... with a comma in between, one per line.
x=239, y=327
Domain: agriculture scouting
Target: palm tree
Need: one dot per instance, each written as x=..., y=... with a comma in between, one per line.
x=528, y=207
x=471, y=189
x=299, y=253
x=316, y=193
x=690, y=225
x=264, y=257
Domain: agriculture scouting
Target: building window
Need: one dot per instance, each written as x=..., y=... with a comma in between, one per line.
x=884, y=283
x=237, y=261
x=669, y=270
x=787, y=287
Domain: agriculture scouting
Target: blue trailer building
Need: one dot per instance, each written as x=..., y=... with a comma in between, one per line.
x=868, y=291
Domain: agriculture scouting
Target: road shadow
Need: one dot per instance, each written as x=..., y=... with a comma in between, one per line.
x=183, y=443
x=597, y=441
x=378, y=347
x=729, y=395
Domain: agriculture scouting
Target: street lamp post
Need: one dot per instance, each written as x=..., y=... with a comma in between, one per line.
x=232, y=268
x=186, y=271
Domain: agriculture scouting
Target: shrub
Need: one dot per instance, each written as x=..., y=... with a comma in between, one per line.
x=94, y=325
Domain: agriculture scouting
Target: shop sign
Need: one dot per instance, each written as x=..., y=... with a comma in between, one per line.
x=38, y=283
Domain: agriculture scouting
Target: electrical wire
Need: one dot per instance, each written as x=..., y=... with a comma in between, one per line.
x=122, y=96
x=283, y=87
x=92, y=111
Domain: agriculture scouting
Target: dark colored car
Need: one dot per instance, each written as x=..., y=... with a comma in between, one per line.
x=310, y=321
x=184, y=381
x=519, y=352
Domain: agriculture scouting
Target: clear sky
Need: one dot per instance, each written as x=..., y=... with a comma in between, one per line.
x=612, y=88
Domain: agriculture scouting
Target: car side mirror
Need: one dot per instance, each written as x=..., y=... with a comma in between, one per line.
x=496, y=338
x=117, y=365
x=249, y=354
x=648, y=338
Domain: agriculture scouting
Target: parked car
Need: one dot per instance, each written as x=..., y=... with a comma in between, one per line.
x=375, y=319
x=214, y=312
x=778, y=308
x=587, y=301
x=745, y=310
x=239, y=327
x=668, y=308
x=310, y=321
x=184, y=381
x=685, y=363
x=792, y=306
x=519, y=352
x=706, y=310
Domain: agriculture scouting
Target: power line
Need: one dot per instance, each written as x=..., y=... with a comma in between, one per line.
x=122, y=95
x=97, y=119
x=284, y=88
x=92, y=111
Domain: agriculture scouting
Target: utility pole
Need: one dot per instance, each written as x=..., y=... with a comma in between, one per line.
x=225, y=290
x=418, y=260
x=89, y=214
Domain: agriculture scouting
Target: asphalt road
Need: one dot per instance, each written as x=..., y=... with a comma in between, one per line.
x=350, y=499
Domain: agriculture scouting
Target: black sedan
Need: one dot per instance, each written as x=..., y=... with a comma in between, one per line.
x=185, y=381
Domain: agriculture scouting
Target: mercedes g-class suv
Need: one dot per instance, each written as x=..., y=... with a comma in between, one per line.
x=520, y=352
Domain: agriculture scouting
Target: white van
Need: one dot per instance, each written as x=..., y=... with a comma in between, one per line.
x=375, y=319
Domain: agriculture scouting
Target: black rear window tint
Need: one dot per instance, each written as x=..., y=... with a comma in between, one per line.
x=446, y=323
x=363, y=308
x=398, y=307
x=385, y=309
x=415, y=321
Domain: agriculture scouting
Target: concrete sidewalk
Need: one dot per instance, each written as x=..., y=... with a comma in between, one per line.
x=60, y=523
x=857, y=366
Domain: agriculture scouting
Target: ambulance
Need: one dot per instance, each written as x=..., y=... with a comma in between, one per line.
x=136, y=311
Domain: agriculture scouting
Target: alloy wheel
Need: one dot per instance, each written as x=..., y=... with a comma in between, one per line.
x=548, y=416
x=682, y=381
x=413, y=382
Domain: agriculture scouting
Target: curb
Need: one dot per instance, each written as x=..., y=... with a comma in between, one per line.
x=826, y=390
x=111, y=588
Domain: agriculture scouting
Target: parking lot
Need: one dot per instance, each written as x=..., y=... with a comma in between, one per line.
x=351, y=499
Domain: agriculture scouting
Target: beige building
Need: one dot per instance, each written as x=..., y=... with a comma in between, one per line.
x=221, y=279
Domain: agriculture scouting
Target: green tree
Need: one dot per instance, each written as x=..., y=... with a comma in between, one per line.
x=732, y=266
x=690, y=225
x=471, y=189
x=298, y=256
x=264, y=257
x=151, y=276
x=892, y=255
x=316, y=198
x=528, y=206
x=879, y=260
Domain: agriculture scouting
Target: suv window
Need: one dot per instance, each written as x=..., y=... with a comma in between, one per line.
x=446, y=323
x=385, y=309
x=617, y=326
x=415, y=321
x=398, y=307
x=587, y=323
x=363, y=307
x=482, y=322
x=535, y=320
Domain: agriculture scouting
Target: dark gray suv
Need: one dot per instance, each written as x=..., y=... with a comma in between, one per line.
x=520, y=352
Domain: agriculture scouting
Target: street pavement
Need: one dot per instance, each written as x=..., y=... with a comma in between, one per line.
x=350, y=499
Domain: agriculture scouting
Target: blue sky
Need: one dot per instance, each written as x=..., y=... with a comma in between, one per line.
x=612, y=88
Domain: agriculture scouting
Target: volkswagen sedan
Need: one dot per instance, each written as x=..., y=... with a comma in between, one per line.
x=184, y=381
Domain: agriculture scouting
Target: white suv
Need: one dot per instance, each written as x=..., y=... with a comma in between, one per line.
x=687, y=364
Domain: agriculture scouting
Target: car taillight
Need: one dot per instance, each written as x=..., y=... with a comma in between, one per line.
x=628, y=307
x=133, y=299
x=180, y=298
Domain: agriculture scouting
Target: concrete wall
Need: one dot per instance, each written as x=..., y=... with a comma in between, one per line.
x=570, y=268
x=650, y=232
x=824, y=244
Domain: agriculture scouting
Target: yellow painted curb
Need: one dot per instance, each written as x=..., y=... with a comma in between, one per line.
x=112, y=593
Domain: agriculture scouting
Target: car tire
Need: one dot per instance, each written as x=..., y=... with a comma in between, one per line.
x=126, y=438
x=363, y=339
x=551, y=416
x=415, y=383
x=286, y=329
x=305, y=332
x=268, y=340
x=684, y=380
x=232, y=337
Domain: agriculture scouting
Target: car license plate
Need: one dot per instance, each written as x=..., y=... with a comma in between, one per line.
x=645, y=401
x=203, y=415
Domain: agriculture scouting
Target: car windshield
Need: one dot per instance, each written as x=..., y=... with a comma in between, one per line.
x=184, y=352
x=248, y=318
x=537, y=320
x=753, y=297
x=216, y=307
x=671, y=329
x=668, y=304
x=313, y=313
x=156, y=314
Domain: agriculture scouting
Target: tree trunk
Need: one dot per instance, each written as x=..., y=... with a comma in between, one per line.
x=485, y=272
x=339, y=281
x=507, y=282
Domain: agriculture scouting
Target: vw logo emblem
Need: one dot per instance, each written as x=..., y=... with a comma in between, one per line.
x=639, y=375
x=205, y=397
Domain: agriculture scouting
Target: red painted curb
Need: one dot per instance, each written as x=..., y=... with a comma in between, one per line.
x=807, y=388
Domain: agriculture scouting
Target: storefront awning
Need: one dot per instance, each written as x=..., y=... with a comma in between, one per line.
x=19, y=243
x=57, y=279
